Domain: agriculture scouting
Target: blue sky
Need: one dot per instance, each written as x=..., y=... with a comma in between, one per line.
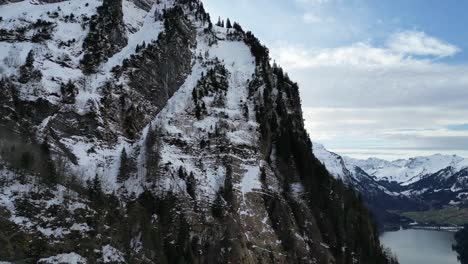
x=386, y=78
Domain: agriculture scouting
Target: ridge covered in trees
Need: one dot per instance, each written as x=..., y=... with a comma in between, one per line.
x=461, y=245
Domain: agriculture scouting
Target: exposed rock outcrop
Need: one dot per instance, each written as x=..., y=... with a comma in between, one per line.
x=170, y=141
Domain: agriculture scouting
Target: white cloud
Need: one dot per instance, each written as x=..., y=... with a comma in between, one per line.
x=365, y=97
x=398, y=53
x=311, y=18
x=367, y=76
x=358, y=54
x=388, y=132
x=419, y=43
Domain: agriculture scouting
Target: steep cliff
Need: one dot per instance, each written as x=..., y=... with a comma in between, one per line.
x=139, y=132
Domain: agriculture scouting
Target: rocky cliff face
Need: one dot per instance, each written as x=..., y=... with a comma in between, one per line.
x=139, y=132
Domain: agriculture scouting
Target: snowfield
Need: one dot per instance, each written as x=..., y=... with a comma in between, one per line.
x=69, y=258
x=409, y=171
x=175, y=119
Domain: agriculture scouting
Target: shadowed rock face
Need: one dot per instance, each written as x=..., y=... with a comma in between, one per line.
x=107, y=35
x=157, y=71
x=192, y=149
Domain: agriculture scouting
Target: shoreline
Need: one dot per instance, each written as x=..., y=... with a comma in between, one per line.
x=416, y=226
x=437, y=228
x=451, y=229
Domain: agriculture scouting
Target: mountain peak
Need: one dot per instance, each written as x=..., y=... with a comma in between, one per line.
x=159, y=137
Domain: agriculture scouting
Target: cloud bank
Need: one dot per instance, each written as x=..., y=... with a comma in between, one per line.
x=418, y=43
x=362, y=96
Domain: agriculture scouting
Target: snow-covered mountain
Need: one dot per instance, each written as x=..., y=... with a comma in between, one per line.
x=408, y=171
x=417, y=183
x=137, y=131
x=439, y=180
x=335, y=164
x=380, y=197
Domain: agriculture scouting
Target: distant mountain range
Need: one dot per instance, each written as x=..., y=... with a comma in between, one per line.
x=415, y=184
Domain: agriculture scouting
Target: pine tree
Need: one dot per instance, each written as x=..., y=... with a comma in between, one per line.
x=203, y=107
x=198, y=111
x=181, y=173
x=217, y=208
x=263, y=174
x=95, y=190
x=191, y=185
x=228, y=190
x=195, y=96
x=237, y=27
x=124, y=171
x=27, y=159
x=48, y=172
x=26, y=162
x=27, y=70
x=245, y=111
x=152, y=154
x=69, y=92
x=228, y=23
x=29, y=59
x=203, y=143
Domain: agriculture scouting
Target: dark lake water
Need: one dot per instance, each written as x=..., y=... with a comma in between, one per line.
x=421, y=246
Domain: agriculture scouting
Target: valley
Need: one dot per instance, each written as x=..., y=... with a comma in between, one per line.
x=424, y=191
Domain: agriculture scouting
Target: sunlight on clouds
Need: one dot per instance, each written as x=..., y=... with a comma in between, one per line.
x=418, y=43
x=358, y=54
x=398, y=53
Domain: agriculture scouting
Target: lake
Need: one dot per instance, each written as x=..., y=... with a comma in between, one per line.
x=421, y=246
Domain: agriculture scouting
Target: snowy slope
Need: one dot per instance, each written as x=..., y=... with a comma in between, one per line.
x=66, y=42
x=176, y=123
x=96, y=157
x=351, y=173
x=335, y=163
x=408, y=171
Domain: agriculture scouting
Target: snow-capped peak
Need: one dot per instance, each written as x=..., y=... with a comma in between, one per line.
x=401, y=171
x=407, y=171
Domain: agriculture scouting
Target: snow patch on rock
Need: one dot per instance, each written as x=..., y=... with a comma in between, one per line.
x=69, y=258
